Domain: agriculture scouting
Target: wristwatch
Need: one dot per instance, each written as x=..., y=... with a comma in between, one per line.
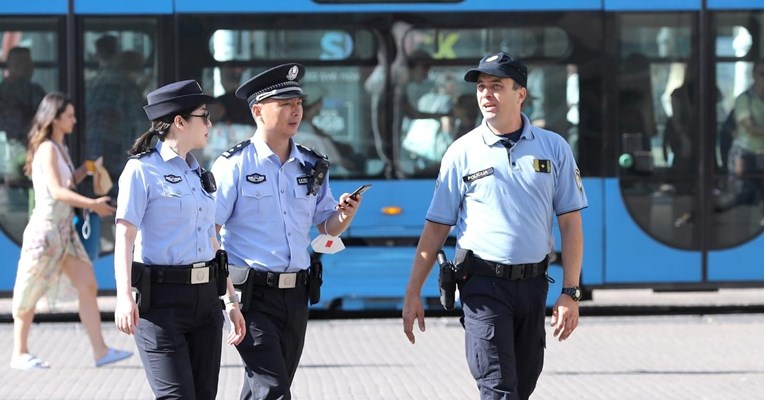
x=575, y=292
x=229, y=300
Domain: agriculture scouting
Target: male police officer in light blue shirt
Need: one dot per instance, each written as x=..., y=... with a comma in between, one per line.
x=499, y=187
x=270, y=193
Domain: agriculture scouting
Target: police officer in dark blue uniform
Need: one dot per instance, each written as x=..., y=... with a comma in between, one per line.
x=499, y=187
x=271, y=191
x=166, y=248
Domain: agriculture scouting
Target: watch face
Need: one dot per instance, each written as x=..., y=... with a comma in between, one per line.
x=574, y=292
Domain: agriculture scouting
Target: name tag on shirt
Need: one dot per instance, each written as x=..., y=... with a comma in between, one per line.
x=478, y=175
x=303, y=180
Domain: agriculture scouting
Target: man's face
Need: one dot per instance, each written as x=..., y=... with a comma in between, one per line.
x=497, y=98
x=279, y=116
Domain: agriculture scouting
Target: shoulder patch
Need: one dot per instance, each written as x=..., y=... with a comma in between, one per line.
x=312, y=151
x=144, y=154
x=239, y=147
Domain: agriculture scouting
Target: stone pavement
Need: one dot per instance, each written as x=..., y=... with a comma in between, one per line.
x=700, y=355
x=640, y=357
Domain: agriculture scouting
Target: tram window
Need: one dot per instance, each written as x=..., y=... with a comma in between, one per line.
x=527, y=42
x=29, y=68
x=737, y=201
x=335, y=122
x=298, y=45
x=120, y=69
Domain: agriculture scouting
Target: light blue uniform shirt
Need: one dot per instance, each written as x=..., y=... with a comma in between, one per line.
x=264, y=207
x=161, y=194
x=501, y=206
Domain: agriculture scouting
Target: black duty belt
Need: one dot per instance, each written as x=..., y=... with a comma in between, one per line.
x=280, y=280
x=512, y=272
x=190, y=274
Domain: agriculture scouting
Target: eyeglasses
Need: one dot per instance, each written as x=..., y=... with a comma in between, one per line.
x=206, y=116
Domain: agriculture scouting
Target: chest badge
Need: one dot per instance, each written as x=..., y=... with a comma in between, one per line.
x=173, y=178
x=256, y=178
x=478, y=175
x=303, y=180
x=542, y=166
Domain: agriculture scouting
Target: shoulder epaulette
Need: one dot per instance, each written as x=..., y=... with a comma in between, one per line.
x=230, y=152
x=310, y=151
x=144, y=154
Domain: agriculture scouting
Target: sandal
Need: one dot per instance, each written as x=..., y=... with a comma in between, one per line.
x=112, y=356
x=27, y=362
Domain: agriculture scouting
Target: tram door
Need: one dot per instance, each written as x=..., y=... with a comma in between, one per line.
x=673, y=215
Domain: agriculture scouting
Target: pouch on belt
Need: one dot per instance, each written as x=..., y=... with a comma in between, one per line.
x=141, y=286
x=243, y=280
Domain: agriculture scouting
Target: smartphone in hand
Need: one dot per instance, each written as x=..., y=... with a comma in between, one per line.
x=360, y=190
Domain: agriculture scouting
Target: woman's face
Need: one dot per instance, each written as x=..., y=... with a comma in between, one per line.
x=65, y=122
x=198, y=127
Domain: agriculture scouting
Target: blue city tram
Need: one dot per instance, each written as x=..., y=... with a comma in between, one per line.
x=646, y=93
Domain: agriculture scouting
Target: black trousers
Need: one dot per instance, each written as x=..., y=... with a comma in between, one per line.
x=504, y=325
x=179, y=340
x=276, y=324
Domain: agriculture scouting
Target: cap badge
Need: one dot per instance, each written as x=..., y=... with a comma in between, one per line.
x=293, y=73
x=492, y=58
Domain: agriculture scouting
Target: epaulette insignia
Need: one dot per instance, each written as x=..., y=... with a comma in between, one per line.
x=311, y=151
x=144, y=154
x=230, y=152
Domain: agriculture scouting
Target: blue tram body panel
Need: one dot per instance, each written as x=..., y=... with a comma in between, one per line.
x=635, y=257
x=302, y=6
x=742, y=263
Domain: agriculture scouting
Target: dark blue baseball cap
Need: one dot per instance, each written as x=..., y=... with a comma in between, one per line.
x=501, y=65
x=280, y=82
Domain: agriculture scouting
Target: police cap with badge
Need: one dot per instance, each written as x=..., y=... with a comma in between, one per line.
x=280, y=82
x=175, y=97
x=501, y=65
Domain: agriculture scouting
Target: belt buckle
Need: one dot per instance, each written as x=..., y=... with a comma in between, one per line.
x=200, y=275
x=287, y=281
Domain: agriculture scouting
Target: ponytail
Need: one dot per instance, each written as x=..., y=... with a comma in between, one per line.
x=159, y=127
x=143, y=143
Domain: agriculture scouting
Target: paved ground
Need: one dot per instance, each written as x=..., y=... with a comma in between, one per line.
x=714, y=356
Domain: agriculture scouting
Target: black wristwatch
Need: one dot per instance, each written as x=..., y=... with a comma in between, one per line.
x=575, y=292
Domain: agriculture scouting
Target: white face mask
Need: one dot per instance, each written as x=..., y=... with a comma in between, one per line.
x=327, y=244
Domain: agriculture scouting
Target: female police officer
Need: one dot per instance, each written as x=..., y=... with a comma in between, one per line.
x=165, y=208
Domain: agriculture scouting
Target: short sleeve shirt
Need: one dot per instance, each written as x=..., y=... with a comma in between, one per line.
x=502, y=201
x=161, y=194
x=264, y=207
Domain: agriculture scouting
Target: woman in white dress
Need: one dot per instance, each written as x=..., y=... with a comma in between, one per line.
x=50, y=245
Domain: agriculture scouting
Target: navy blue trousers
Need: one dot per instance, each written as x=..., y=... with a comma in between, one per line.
x=179, y=340
x=504, y=325
x=271, y=349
